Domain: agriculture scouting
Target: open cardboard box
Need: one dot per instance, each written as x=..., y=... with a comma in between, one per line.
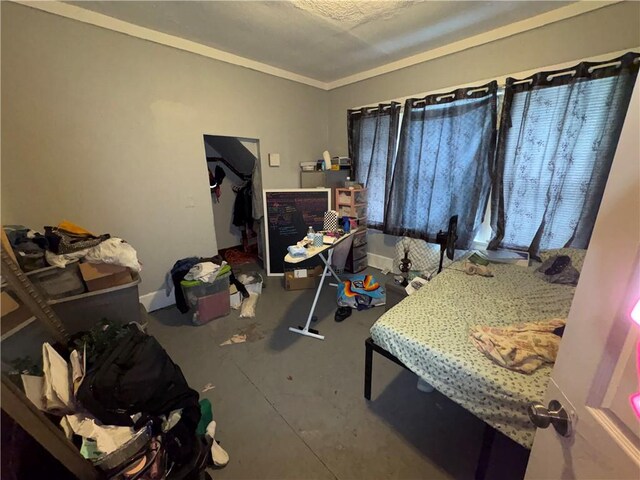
x=99, y=276
x=302, y=278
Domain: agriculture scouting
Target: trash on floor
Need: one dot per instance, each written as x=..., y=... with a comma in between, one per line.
x=252, y=333
x=235, y=297
x=248, y=309
x=110, y=386
x=207, y=387
x=219, y=455
x=238, y=338
x=206, y=416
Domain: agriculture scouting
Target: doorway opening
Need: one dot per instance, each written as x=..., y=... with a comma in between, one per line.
x=235, y=181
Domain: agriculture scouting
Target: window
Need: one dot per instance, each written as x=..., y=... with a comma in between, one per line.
x=373, y=136
x=546, y=173
x=444, y=162
x=557, y=143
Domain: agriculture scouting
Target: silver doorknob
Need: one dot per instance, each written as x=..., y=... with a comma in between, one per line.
x=555, y=415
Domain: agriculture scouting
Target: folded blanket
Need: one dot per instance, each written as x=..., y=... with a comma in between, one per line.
x=523, y=347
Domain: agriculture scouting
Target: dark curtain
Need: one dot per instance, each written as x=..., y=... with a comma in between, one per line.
x=373, y=138
x=557, y=139
x=444, y=164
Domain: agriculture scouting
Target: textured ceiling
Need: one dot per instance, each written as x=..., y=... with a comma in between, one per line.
x=323, y=40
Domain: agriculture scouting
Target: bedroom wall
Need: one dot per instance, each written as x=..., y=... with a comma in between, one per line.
x=608, y=29
x=106, y=130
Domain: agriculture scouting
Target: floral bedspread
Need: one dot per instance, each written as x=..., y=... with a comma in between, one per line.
x=429, y=333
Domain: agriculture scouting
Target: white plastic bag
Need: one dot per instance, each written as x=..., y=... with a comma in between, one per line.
x=56, y=389
x=248, y=309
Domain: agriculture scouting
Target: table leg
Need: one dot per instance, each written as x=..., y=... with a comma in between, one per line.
x=327, y=262
x=305, y=330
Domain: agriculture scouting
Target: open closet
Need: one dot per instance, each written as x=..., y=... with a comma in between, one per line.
x=235, y=182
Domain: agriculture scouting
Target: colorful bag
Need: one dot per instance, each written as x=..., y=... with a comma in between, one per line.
x=361, y=292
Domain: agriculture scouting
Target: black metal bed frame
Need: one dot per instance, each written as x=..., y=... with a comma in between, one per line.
x=488, y=435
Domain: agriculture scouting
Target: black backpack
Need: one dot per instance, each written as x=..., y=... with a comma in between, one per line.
x=137, y=376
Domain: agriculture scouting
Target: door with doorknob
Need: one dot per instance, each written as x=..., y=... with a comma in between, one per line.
x=589, y=428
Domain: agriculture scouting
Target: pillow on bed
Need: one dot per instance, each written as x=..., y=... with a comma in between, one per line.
x=575, y=254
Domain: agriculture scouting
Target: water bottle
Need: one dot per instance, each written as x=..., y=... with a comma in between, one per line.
x=310, y=233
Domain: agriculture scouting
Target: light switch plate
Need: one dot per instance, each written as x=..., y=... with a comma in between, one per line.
x=274, y=159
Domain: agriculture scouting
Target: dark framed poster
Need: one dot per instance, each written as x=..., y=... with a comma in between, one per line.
x=288, y=214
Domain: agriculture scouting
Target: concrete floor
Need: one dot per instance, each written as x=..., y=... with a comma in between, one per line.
x=292, y=407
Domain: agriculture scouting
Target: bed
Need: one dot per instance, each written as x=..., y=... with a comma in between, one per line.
x=428, y=333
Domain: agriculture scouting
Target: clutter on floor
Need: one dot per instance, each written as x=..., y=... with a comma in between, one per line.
x=208, y=289
x=248, y=308
x=342, y=313
x=218, y=454
x=238, y=338
x=361, y=292
x=124, y=403
x=207, y=387
x=205, y=287
x=208, y=299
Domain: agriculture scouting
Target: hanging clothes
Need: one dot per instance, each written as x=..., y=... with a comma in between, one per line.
x=243, y=206
x=215, y=180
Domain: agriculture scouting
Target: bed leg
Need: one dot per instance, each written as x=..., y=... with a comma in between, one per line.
x=482, y=467
x=368, y=366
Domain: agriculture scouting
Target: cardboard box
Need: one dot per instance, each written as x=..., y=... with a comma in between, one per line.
x=7, y=304
x=302, y=279
x=99, y=276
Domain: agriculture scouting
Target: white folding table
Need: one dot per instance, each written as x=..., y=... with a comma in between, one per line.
x=325, y=253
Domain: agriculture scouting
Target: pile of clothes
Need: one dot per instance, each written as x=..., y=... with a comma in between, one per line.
x=126, y=405
x=523, y=347
x=65, y=243
x=199, y=269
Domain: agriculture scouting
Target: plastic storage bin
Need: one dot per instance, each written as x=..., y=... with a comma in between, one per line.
x=57, y=283
x=119, y=304
x=208, y=300
x=252, y=281
x=360, y=238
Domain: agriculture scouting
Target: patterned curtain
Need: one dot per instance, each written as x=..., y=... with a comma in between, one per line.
x=373, y=138
x=557, y=139
x=444, y=164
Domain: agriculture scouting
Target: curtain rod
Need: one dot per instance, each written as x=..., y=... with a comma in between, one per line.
x=501, y=86
x=502, y=79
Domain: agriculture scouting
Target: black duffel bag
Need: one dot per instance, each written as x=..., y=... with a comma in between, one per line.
x=138, y=376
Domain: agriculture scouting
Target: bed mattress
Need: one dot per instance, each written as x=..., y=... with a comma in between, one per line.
x=429, y=333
